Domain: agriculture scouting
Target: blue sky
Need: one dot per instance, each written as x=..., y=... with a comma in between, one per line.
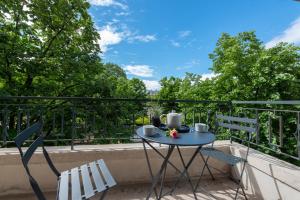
x=151, y=39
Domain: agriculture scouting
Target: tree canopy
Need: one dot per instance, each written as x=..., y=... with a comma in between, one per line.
x=50, y=48
x=245, y=70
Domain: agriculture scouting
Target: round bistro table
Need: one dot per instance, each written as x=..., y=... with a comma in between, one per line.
x=192, y=138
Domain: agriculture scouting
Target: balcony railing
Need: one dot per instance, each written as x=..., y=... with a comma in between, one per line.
x=85, y=120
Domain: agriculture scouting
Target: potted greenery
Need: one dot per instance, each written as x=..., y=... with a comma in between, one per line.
x=155, y=113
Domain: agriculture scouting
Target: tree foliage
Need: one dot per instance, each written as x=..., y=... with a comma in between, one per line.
x=50, y=48
x=245, y=70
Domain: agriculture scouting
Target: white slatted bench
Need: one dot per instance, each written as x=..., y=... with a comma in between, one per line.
x=95, y=177
x=78, y=183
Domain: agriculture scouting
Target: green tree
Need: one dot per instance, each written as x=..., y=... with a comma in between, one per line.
x=248, y=71
x=47, y=47
x=169, y=90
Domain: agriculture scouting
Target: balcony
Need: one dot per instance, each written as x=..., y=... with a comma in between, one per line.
x=77, y=135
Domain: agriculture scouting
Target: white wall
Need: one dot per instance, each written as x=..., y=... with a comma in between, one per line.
x=126, y=162
x=268, y=177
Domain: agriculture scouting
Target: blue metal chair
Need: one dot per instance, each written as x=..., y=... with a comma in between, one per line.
x=69, y=184
x=247, y=126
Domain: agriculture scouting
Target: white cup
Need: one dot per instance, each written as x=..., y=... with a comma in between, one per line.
x=149, y=130
x=200, y=127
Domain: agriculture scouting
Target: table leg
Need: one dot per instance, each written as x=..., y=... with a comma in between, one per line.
x=185, y=172
x=159, y=174
x=162, y=182
x=161, y=155
x=149, y=166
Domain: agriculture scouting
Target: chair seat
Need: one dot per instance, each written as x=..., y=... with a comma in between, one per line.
x=214, y=153
x=85, y=181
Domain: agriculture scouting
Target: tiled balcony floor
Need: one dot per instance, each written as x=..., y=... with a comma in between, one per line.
x=220, y=189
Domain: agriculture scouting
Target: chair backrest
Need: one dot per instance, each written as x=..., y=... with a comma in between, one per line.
x=33, y=131
x=247, y=125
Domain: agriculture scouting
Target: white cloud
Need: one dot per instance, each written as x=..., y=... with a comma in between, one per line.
x=290, y=35
x=142, y=38
x=175, y=44
x=113, y=34
x=184, y=34
x=183, y=67
x=188, y=65
x=122, y=14
x=107, y=3
x=109, y=36
x=139, y=70
x=208, y=76
x=152, y=85
x=193, y=62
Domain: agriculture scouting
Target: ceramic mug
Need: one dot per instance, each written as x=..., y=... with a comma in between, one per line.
x=149, y=130
x=200, y=127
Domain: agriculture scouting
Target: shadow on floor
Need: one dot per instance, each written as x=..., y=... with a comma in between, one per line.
x=220, y=189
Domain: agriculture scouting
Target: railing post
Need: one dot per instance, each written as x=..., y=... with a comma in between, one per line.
x=185, y=115
x=193, y=116
x=4, y=125
x=257, y=127
x=270, y=128
x=62, y=122
x=230, y=113
x=27, y=118
x=86, y=125
x=19, y=122
x=53, y=127
x=298, y=133
x=200, y=114
x=73, y=127
x=280, y=131
x=133, y=122
x=208, y=116
x=94, y=123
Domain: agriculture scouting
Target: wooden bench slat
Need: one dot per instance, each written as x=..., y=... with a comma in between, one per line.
x=87, y=184
x=97, y=177
x=108, y=177
x=64, y=186
x=76, y=191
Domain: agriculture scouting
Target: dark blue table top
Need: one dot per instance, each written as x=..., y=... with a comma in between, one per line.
x=192, y=138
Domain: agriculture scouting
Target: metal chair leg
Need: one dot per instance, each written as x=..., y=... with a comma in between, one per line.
x=206, y=165
x=240, y=181
x=202, y=171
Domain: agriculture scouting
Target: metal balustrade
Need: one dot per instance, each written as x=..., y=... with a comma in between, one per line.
x=279, y=125
x=88, y=120
x=75, y=120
